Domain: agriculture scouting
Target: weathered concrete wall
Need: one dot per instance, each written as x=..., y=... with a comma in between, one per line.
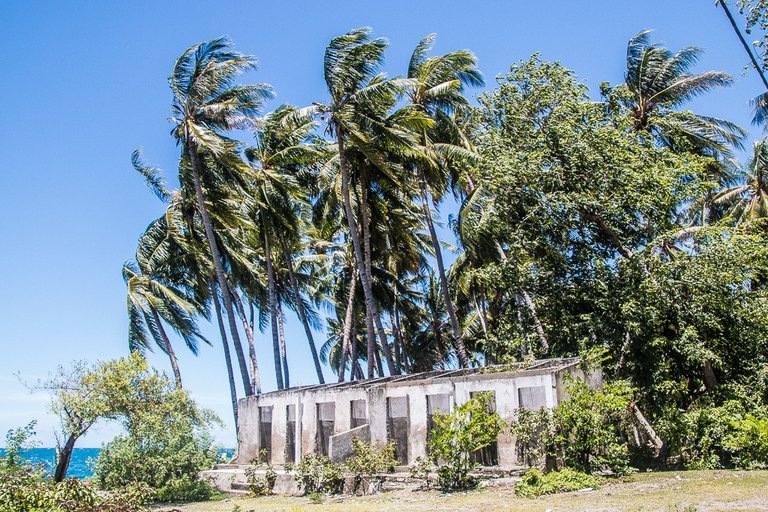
x=342, y=444
x=540, y=385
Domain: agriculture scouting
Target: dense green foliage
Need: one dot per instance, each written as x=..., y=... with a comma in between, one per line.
x=587, y=433
x=24, y=493
x=471, y=426
x=591, y=427
x=164, y=447
x=534, y=484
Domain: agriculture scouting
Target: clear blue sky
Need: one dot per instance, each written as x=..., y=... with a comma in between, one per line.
x=84, y=83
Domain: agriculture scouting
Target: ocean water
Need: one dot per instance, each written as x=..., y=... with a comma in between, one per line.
x=82, y=458
x=79, y=466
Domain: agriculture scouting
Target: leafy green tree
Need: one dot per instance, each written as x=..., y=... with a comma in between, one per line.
x=164, y=448
x=88, y=393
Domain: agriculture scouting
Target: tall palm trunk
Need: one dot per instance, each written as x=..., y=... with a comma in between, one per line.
x=168, y=349
x=457, y=335
x=217, y=265
x=369, y=327
x=302, y=314
x=283, y=352
x=227, y=356
x=747, y=48
x=355, y=372
x=248, y=328
x=273, y=309
x=365, y=277
x=346, y=340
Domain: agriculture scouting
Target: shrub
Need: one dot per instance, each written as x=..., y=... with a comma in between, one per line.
x=421, y=469
x=165, y=451
x=24, y=493
x=591, y=426
x=17, y=441
x=533, y=430
x=261, y=485
x=457, y=436
x=534, y=483
x=749, y=442
x=318, y=474
x=368, y=460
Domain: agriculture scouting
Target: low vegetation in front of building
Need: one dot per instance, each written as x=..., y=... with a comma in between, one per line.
x=535, y=483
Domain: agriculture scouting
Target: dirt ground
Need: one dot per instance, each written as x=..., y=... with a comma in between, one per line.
x=682, y=491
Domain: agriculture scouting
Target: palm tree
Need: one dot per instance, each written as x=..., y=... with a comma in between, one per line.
x=207, y=102
x=436, y=90
x=659, y=81
x=172, y=246
x=150, y=303
x=354, y=117
x=284, y=148
x=157, y=289
x=748, y=200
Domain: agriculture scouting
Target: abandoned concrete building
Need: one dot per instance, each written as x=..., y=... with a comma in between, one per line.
x=291, y=423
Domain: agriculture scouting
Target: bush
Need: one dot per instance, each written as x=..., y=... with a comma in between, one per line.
x=533, y=430
x=734, y=434
x=17, y=441
x=591, y=427
x=165, y=451
x=749, y=442
x=261, y=485
x=420, y=470
x=457, y=436
x=317, y=474
x=368, y=460
x=24, y=493
x=535, y=484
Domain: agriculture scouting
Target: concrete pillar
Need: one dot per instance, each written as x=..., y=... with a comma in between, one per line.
x=308, y=427
x=279, y=420
x=377, y=414
x=417, y=408
x=506, y=405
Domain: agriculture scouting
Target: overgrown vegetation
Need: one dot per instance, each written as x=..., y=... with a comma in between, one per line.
x=612, y=221
x=471, y=426
x=534, y=483
x=261, y=476
x=166, y=443
x=22, y=492
x=587, y=433
x=317, y=474
x=368, y=462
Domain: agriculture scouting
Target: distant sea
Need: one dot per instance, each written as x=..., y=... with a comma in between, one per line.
x=79, y=466
x=82, y=459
